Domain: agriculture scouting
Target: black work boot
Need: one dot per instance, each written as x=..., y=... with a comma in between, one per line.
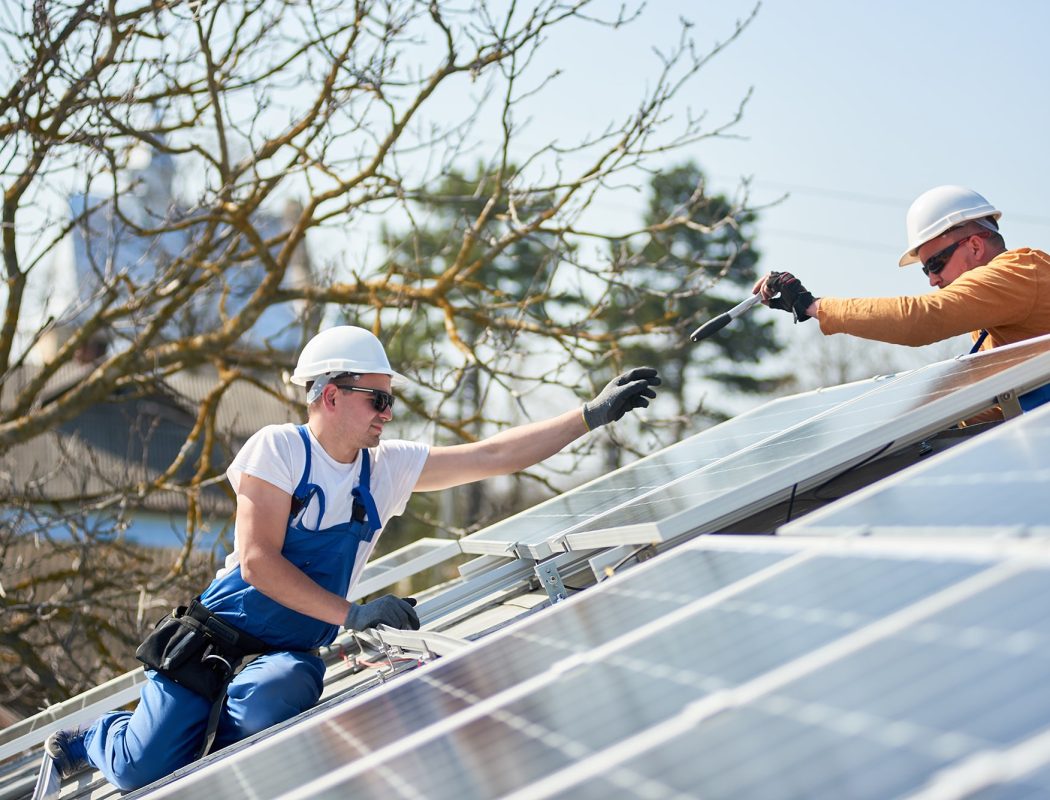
x=66, y=748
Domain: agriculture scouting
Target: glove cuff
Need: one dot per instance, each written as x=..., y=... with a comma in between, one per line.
x=803, y=301
x=590, y=419
x=353, y=615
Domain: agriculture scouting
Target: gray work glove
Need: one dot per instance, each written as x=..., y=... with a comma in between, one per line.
x=397, y=612
x=624, y=393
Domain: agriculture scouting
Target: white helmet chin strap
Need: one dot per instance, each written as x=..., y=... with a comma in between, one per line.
x=317, y=388
x=322, y=381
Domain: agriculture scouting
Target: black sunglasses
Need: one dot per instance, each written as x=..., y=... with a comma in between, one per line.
x=381, y=400
x=939, y=260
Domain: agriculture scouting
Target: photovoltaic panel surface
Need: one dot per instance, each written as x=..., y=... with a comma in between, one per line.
x=403, y=563
x=927, y=704
x=997, y=483
x=455, y=684
x=888, y=416
x=829, y=647
x=532, y=531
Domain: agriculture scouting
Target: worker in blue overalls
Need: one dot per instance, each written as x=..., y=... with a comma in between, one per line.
x=311, y=500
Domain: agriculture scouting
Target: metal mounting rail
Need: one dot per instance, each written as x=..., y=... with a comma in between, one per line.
x=430, y=643
x=84, y=707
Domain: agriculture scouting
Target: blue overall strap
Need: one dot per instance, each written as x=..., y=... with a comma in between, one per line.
x=1034, y=398
x=979, y=342
x=306, y=490
x=362, y=494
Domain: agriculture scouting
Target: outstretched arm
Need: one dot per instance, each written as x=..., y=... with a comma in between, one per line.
x=522, y=446
x=508, y=451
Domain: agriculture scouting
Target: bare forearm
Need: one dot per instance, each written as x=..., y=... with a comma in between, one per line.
x=517, y=448
x=508, y=451
x=283, y=582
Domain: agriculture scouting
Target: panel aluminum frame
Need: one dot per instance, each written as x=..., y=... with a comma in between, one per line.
x=1020, y=368
x=554, y=517
x=403, y=563
x=948, y=494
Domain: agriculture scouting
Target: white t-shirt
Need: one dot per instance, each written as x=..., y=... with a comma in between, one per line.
x=276, y=455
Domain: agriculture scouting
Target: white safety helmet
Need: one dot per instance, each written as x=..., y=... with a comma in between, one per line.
x=335, y=351
x=939, y=209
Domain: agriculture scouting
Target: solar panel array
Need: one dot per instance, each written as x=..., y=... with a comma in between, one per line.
x=887, y=417
x=729, y=667
x=535, y=531
x=802, y=666
x=952, y=494
x=722, y=474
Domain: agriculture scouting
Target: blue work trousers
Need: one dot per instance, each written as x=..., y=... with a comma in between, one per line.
x=166, y=730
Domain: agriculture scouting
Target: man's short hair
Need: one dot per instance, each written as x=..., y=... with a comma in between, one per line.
x=988, y=224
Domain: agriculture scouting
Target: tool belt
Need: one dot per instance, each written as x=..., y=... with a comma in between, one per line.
x=196, y=649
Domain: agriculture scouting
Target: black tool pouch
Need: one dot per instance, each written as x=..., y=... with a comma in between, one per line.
x=197, y=650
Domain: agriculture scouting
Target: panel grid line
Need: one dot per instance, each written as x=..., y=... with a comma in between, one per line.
x=705, y=708
x=987, y=768
x=530, y=685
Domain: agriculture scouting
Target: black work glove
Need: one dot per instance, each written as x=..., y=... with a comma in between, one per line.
x=793, y=296
x=623, y=393
x=397, y=612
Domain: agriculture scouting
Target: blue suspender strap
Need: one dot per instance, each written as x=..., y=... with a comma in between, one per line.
x=1035, y=398
x=306, y=490
x=979, y=342
x=362, y=494
x=1032, y=399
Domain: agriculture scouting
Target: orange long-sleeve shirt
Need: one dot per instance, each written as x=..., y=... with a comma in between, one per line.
x=1009, y=297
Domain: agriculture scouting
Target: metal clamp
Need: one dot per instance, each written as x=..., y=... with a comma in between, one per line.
x=551, y=581
x=1009, y=403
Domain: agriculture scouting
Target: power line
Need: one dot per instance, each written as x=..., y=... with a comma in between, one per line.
x=880, y=247
x=861, y=197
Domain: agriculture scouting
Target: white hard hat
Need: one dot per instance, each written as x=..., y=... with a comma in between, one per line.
x=939, y=209
x=345, y=348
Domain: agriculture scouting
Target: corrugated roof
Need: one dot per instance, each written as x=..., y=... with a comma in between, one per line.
x=122, y=446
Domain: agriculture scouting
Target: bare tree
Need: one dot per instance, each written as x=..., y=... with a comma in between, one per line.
x=831, y=360
x=328, y=115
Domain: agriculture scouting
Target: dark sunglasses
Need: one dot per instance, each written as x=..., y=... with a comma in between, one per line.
x=381, y=400
x=939, y=260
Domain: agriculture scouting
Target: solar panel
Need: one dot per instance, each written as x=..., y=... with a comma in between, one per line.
x=78, y=710
x=887, y=417
x=403, y=563
x=531, y=531
x=888, y=717
x=762, y=668
x=949, y=494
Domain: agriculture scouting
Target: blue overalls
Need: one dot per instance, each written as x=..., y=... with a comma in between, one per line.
x=166, y=730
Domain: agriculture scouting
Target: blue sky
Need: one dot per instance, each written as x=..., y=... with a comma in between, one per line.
x=858, y=108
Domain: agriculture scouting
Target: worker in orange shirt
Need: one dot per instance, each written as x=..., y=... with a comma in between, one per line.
x=999, y=296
